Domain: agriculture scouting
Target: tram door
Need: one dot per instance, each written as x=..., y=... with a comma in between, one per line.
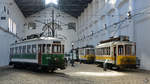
x=39, y=53
x=115, y=54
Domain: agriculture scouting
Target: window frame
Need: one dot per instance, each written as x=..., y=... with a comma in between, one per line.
x=122, y=50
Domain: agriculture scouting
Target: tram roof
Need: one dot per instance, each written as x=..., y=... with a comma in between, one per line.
x=40, y=39
x=108, y=44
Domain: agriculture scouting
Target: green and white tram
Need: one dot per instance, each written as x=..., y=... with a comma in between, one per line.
x=39, y=53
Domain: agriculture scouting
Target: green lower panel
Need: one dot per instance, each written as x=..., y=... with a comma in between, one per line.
x=25, y=56
x=52, y=58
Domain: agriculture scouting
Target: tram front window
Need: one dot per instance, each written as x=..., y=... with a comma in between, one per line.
x=120, y=50
x=81, y=52
x=128, y=49
x=91, y=51
x=56, y=49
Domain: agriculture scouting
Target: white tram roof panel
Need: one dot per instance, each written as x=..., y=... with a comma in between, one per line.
x=114, y=43
x=38, y=40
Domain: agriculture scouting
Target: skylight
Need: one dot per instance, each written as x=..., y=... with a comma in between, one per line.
x=51, y=1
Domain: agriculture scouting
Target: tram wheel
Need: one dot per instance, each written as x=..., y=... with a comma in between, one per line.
x=52, y=70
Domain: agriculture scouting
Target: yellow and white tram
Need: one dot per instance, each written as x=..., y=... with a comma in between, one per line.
x=120, y=54
x=87, y=54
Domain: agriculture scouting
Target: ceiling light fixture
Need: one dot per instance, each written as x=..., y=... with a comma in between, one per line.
x=51, y=1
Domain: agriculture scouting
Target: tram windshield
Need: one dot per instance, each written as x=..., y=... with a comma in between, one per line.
x=126, y=50
x=57, y=49
x=89, y=51
x=81, y=51
x=130, y=50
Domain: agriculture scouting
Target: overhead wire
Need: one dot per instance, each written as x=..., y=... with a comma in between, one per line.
x=141, y=12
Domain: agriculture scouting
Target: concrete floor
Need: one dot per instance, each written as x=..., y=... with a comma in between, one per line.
x=80, y=74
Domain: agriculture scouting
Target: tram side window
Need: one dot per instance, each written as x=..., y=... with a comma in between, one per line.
x=49, y=48
x=11, y=51
x=105, y=51
x=128, y=49
x=81, y=52
x=34, y=49
x=134, y=50
x=91, y=51
x=16, y=50
x=39, y=48
x=43, y=48
x=29, y=49
x=120, y=50
x=98, y=51
x=108, y=50
x=62, y=48
x=102, y=51
x=54, y=49
x=20, y=49
x=24, y=50
x=87, y=51
x=58, y=48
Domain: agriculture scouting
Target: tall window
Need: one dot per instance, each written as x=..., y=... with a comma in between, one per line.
x=11, y=26
x=34, y=49
x=120, y=50
x=128, y=49
x=14, y=28
x=48, y=48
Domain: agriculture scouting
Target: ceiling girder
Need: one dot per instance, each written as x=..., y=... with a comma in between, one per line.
x=72, y=7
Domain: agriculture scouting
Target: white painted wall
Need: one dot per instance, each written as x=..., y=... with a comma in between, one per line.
x=45, y=15
x=110, y=11
x=5, y=38
x=141, y=27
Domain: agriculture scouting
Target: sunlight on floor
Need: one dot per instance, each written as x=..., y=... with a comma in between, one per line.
x=99, y=74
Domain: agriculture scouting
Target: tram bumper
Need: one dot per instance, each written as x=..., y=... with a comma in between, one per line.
x=133, y=66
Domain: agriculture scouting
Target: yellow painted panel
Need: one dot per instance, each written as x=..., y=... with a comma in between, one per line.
x=124, y=60
x=104, y=58
x=83, y=57
x=87, y=57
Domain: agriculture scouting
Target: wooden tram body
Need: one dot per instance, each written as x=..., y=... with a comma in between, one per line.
x=40, y=53
x=87, y=55
x=120, y=54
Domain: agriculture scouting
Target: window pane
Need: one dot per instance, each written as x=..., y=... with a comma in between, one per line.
x=81, y=52
x=43, y=48
x=20, y=49
x=55, y=49
x=62, y=48
x=48, y=48
x=120, y=50
x=128, y=49
x=16, y=50
x=29, y=49
x=34, y=49
x=24, y=50
x=59, y=48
